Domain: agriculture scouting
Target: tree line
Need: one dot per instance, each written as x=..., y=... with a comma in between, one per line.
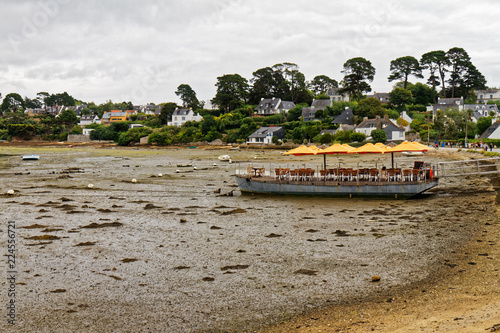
x=451, y=74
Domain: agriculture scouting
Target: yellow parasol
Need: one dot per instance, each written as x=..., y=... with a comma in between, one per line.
x=301, y=150
x=406, y=146
x=347, y=146
x=368, y=148
x=336, y=148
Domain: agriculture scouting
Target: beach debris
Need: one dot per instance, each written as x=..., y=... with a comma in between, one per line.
x=494, y=328
x=215, y=164
x=273, y=235
x=151, y=206
x=90, y=185
x=183, y=220
x=376, y=278
x=64, y=199
x=35, y=226
x=228, y=194
x=306, y=272
x=160, y=175
x=178, y=268
x=234, y=211
x=104, y=210
x=194, y=168
x=208, y=279
x=51, y=229
x=58, y=291
x=134, y=180
x=177, y=171
x=214, y=227
x=341, y=233
x=226, y=268
x=85, y=244
x=129, y=260
x=218, y=190
x=94, y=225
x=311, y=230
x=43, y=237
x=11, y=192
x=115, y=277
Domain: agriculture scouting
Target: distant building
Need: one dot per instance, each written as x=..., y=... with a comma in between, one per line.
x=264, y=135
x=483, y=96
x=345, y=117
x=393, y=132
x=181, y=116
x=88, y=119
x=114, y=116
x=382, y=97
x=492, y=132
x=321, y=104
x=309, y=113
x=336, y=96
x=446, y=103
x=482, y=110
x=270, y=106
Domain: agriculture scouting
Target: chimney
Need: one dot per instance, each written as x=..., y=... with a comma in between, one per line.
x=365, y=118
x=386, y=117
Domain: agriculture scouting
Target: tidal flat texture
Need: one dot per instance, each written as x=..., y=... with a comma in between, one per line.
x=161, y=240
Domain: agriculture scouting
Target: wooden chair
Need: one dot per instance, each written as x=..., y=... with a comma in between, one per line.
x=415, y=174
x=373, y=175
x=354, y=175
x=407, y=175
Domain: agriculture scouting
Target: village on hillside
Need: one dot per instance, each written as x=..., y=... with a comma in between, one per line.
x=278, y=105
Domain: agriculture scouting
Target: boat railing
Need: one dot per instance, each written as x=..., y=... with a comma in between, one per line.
x=468, y=167
x=338, y=175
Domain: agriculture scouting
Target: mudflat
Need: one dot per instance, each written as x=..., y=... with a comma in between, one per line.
x=161, y=240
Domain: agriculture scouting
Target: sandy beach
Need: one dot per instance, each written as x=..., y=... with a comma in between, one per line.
x=181, y=250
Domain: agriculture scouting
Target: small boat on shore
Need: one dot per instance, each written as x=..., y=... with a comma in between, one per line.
x=31, y=157
x=412, y=153
x=225, y=158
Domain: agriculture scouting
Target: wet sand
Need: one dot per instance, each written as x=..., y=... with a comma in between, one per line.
x=185, y=252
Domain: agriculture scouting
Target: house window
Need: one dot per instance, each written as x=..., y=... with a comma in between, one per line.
x=491, y=96
x=183, y=118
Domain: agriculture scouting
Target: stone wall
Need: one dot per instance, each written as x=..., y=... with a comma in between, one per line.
x=77, y=138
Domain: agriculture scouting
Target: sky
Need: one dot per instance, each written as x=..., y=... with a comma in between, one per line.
x=141, y=51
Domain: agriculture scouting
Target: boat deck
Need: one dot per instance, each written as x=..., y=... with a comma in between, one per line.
x=331, y=182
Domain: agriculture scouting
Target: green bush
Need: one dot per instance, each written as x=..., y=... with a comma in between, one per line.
x=133, y=135
x=359, y=137
x=161, y=138
x=379, y=135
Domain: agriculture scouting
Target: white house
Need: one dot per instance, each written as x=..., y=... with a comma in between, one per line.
x=180, y=116
x=393, y=132
x=483, y=96
x=482, y=110
x=88, y=119
x=86, y=131
x=266, y=134
x=273, y=105
x=335, y=96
